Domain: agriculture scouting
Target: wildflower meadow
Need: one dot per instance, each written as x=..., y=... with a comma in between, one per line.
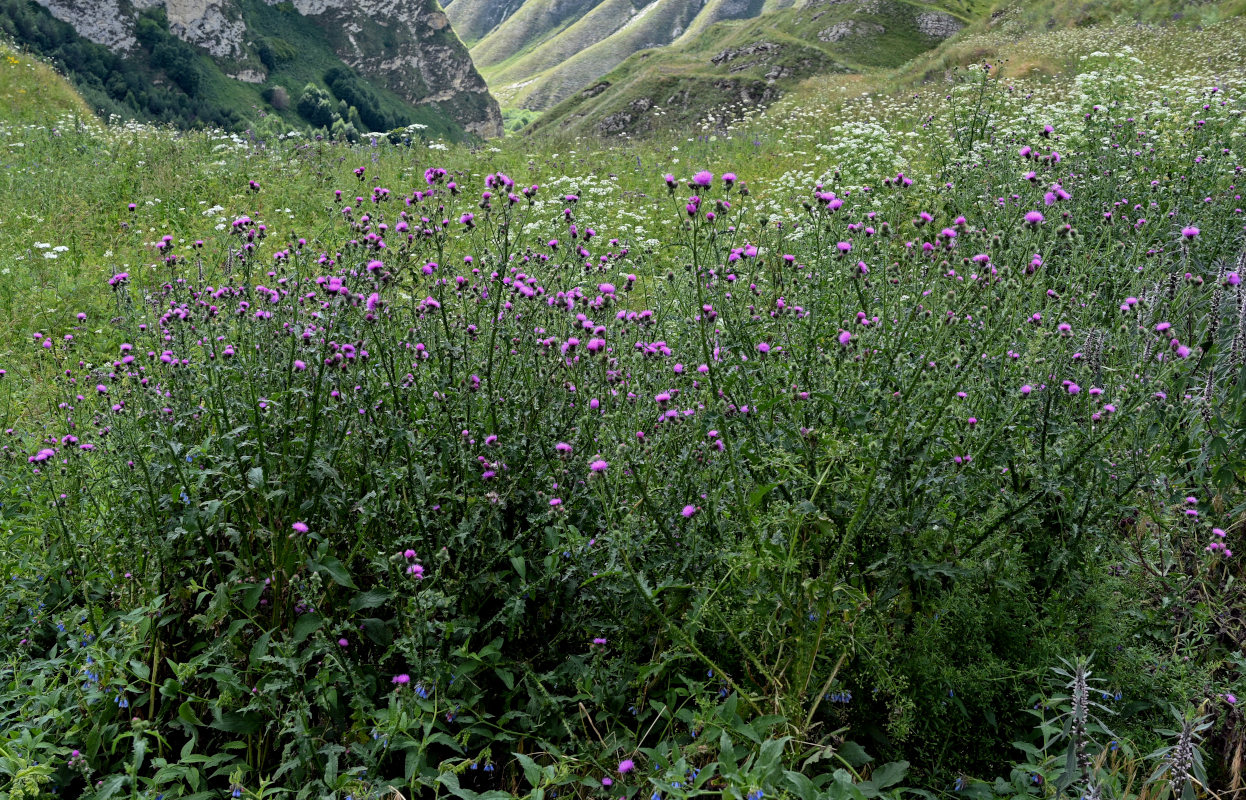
x=884, y=448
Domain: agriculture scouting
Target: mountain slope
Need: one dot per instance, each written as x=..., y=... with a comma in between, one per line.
x=721, y=11
x=654, y=25
x=736, y=65
x=32, y=92
x=472, y=19
x=810, y=50
x=561, y=27
x=401, y=57
x=541, y=52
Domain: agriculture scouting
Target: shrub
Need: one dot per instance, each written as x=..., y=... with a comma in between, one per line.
x=277, y=97
x=274, y=52
x=313, y=105
x=353, y=92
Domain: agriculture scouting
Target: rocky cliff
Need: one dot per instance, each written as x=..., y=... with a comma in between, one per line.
x=407, y=46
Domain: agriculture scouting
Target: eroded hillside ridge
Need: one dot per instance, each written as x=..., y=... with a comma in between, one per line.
x=726, y=67
x=406, y=45
x=538, y=53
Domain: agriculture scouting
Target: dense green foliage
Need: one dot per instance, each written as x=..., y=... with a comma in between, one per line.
x=355, y=93
x=850, y=450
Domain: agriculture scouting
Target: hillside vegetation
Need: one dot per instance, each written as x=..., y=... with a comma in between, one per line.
x=887, y=442
x=541, y=52
x=168, y=80
x=33, y=92
x=748, y=64
x=703, y=81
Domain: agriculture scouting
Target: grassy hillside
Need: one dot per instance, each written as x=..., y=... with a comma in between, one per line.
x=720, y=11
x=538, y=24
x=32, y=91
x=885, y=50
x=543, y=51
x=740, y=65
x=472, y=19
x=653, y=25
x=1023, y=37
x=1050, y=14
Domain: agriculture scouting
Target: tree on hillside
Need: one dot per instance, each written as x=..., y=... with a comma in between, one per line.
x=315, y=106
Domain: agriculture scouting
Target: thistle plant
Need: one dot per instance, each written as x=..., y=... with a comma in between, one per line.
x=455, y=465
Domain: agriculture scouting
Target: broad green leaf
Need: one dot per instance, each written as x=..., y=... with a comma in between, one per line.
x=854, y=754
x=334, y=568
x=111, y=785
x=251, y=598
x=451, y=781
x=235, y=722
x=306, y=625
x=369, y=599
x=260, y=648
x=890, y=774
x=187, y=715
x=531, y=770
